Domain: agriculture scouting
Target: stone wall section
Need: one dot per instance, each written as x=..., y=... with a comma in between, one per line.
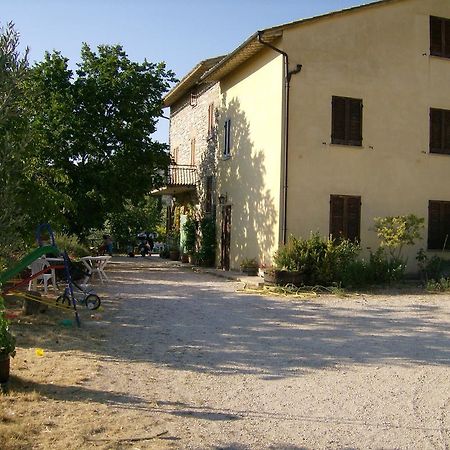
x=188, y=121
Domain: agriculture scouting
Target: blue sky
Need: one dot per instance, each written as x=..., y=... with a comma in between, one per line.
x=179, y=32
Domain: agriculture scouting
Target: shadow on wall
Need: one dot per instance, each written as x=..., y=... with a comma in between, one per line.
x=243, y=178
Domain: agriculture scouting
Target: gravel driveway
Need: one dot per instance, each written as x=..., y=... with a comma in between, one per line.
x=208, y=367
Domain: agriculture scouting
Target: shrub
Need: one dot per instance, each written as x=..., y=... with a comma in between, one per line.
x=320, y=260
x=441, y=285
x=190, y=235
x=356, y=274
x=7, y=340
x=384, y=269
x=432, y=268
x=207, y=252
x=71, y=245
x=395, y=232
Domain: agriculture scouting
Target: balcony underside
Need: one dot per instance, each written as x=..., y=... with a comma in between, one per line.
x=174, y=190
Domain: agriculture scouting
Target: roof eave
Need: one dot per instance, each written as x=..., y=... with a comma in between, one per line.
x=189, y=80
x=245, y=51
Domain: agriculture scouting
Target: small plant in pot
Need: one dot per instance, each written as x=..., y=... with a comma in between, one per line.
x=7, y=344
x=249, y=266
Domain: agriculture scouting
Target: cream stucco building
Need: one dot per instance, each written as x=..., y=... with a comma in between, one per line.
x=323, y=124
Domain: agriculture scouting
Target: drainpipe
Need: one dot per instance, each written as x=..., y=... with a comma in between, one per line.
x=287, y=79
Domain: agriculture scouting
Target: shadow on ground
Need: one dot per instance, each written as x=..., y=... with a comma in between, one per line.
x=196, y=322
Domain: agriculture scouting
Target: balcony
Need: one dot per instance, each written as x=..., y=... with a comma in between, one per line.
x=180, y=179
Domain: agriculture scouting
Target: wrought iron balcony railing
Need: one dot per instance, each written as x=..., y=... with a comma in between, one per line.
x=182, y=176
x=180, y=179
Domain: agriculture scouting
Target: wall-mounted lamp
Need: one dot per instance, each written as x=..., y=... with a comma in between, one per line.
x=223, y=199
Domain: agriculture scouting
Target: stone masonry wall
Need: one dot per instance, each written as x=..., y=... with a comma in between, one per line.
x=189, y=122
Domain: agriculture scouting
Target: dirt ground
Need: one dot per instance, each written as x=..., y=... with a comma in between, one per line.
x=184, y=360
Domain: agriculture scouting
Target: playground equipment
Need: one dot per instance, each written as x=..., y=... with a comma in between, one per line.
x=43, y=250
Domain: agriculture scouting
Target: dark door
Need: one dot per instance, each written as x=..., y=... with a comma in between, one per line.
x=225, y=238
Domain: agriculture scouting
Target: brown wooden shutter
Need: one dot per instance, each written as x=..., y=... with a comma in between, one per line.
x=435, y=130
x=345, y=217
x=446, y=37
x=353, y=218
x=445, y=225
x=446, y=132
x=434, y=212
x=439, y=131
x=337, y=204
x=435, y=36
x=438, y=225
x=355, y=121
x=338, y=120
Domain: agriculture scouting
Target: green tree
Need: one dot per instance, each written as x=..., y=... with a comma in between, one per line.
x=395, y=232
x=135, y=217
x=13, y=142
x=93, y=129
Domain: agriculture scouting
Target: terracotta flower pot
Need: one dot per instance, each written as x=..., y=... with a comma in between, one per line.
x=4, y=367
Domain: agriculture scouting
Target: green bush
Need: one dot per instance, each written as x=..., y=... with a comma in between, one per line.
x=7, y=340
x=432, y=268
x=441, y=285
x=71, y=245
x=320, y=260
x=190, y=235
x=395, y=232
x=207, y=252
x=384, y=269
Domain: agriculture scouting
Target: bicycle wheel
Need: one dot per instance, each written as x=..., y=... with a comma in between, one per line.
x=92, y=301
x=64, y=300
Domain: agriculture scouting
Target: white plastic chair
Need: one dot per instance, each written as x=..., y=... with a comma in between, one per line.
x=37, y=266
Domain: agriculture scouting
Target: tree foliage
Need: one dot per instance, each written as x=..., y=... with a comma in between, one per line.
x=92, y=131
x=395, y=232
x=135, y=217
x=13, y=141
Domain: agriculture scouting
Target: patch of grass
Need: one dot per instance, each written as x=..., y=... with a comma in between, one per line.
x=441, y=285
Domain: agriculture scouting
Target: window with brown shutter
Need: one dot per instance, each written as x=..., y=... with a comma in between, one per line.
x=438, y=225
x=346, y=121
x=440, y=131
x=345, y=217
x=227, y=139
x=440, y=37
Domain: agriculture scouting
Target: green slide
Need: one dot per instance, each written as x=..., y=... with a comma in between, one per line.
x=27, y=260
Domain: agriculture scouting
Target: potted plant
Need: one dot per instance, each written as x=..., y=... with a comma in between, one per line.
x=249, y=266
x=7, y=344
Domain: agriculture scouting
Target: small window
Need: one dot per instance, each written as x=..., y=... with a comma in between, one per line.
x=440, y=131
x=438, y=225
x=227, y=138
x=210, y=119
x=440, y=37
x=345, y=217
x=193, y=152
x=346, y=127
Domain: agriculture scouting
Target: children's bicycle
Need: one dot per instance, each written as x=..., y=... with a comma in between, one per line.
x=86, y=297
